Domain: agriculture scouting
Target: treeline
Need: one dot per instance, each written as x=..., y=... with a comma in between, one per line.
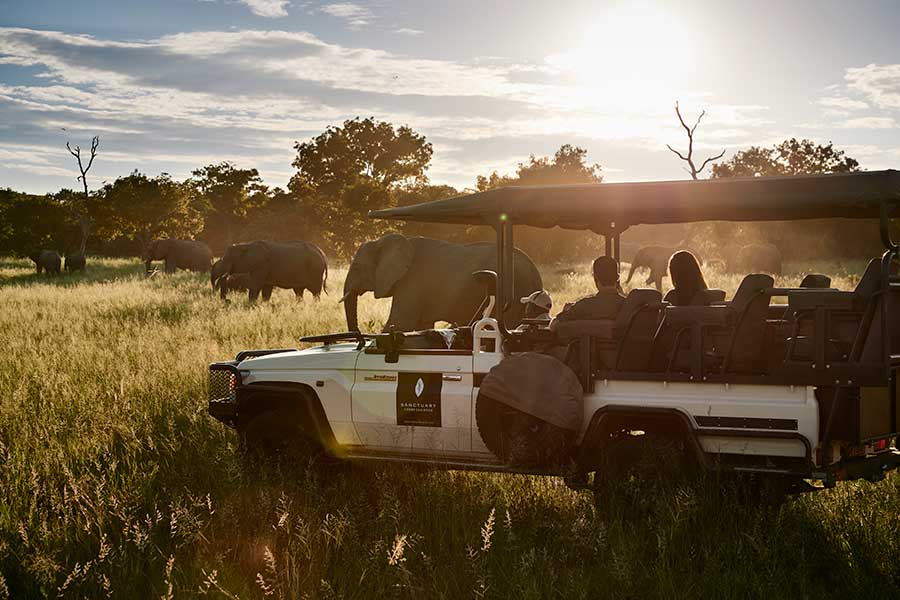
x=362, y=165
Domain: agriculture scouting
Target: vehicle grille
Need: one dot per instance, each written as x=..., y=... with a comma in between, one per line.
x=222, y=385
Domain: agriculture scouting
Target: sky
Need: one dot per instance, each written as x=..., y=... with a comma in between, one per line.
x=173, y=85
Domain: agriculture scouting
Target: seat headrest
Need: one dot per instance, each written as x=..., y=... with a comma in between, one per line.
x=816, y=281
x=750, y=286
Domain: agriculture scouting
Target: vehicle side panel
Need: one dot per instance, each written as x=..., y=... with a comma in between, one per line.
x=720, y=409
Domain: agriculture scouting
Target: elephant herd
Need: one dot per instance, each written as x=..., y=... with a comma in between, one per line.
x=751, y=258
x=50, y=262
x=428, y=280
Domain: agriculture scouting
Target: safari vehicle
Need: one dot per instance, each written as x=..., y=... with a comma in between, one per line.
x=797, y=383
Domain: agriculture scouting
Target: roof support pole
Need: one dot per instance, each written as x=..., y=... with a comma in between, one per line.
x=503, y=229
x=617, y=248
x=607, y=240
x=884, y=225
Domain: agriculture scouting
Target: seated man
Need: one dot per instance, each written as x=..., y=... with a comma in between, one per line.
x=537, y=306
x=605, y=304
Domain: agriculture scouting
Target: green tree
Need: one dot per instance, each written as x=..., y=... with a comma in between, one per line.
x=29, y=223
x=347, y=171
x=140, y=208
x=797, y=240
x=790, y=157
x=227, y=197
x=567, y=166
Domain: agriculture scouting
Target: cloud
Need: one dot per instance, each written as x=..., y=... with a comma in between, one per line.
x=880, y=83
x=354, y=14
x=409, y=31
x=843, y=103
x=869, y=123
x=181, y=100
x=267, y=8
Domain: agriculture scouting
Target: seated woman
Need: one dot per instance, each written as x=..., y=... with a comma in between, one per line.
x=690, y=286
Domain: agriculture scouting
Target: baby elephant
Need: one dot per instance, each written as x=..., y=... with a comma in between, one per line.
x=239, y=282
x=75, y=262
x=47, y=260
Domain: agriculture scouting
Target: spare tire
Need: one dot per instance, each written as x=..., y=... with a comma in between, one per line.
x=529, y=410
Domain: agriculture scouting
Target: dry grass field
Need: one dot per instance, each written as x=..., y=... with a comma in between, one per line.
x=114, y=482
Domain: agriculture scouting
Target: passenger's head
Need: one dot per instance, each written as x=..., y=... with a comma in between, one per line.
x=606, y=272
x=686, y=276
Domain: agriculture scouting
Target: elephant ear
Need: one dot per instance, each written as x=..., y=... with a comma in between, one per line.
x=394, y=258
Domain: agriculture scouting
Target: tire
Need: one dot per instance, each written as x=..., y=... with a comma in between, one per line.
x=638, y=473
x=519, y=439
x=273, y=434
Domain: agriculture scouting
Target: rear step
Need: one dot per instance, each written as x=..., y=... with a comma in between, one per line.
x=871, y=468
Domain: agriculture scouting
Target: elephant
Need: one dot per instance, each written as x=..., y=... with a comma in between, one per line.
x=178, y=254
x=430, y=280
x=215, y=272
x=655, y=258
x=75, y=262
x=46, y=260
x=756, y=258
x=263, y=265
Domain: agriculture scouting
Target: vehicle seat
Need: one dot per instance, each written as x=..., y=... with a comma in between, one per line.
x=622, y=343
x=733, y=335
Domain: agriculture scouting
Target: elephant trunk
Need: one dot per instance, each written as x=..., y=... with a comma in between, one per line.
x=351, y=304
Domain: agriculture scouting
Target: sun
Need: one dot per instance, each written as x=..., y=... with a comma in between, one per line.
x=631, y=52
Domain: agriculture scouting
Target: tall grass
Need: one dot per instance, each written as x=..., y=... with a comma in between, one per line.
x=114, y=482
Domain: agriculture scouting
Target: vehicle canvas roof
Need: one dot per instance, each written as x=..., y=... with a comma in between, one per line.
x=606, y=207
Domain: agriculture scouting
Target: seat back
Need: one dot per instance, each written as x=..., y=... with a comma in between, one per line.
x=636, y=327
x=750, y=288
x=870, y=282
x=750, y=310
x=816, y=280
x=701, y=298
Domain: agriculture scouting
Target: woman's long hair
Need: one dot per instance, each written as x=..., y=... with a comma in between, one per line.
x=686, y=277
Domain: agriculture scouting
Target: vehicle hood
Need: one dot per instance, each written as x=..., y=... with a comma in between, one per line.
x=332, y=356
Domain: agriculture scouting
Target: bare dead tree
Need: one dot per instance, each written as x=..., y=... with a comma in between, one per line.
x=689, y=159
x=83, y=220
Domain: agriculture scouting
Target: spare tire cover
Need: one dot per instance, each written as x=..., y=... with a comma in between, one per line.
x=537, y=385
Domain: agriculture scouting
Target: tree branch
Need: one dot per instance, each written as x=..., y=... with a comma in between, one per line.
x=710, y=159
x=680, y=155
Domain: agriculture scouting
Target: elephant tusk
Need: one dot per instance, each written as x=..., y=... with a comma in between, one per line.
x=344, y=297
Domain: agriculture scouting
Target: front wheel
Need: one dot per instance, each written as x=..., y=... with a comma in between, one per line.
x=271, y=434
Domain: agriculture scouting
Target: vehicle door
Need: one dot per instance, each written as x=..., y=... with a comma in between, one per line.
x=421, y=403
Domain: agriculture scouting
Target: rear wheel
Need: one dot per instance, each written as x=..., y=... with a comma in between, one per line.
x=639, y=470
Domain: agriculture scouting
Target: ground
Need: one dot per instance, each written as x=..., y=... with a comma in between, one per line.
x=115, y=482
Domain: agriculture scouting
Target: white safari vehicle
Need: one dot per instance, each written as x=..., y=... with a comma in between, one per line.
x=798, y=383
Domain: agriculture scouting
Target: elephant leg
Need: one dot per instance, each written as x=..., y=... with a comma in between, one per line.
x=299, y=293
x=267, y=293
x=170, y=265
x=253, y=294
x=406, y=315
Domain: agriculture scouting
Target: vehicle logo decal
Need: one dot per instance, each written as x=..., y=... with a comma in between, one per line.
x=419, y=399
x=380, y=377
